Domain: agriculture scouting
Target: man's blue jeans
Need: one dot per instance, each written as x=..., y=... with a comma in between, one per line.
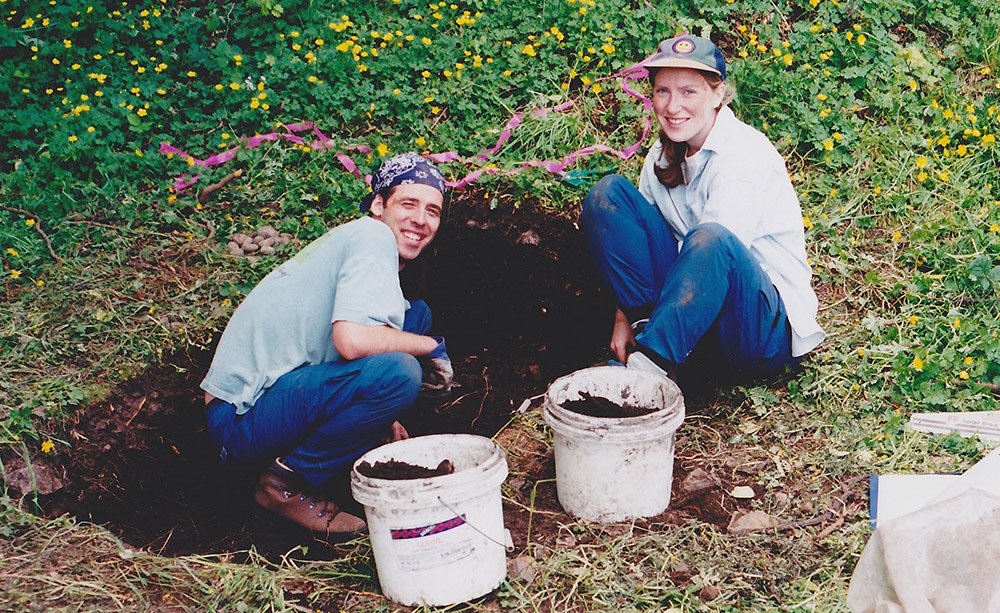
x=712, y=293
x=321, y=418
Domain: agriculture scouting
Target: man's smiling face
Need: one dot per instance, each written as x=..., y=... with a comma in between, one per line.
x=413, y=212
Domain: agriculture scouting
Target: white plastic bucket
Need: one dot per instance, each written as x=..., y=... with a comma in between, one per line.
x=437, y=540
x=612, y=469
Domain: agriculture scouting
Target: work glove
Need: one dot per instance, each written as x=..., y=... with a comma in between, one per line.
x=438, y=373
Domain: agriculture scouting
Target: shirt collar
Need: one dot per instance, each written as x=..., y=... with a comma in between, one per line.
x=723, y=120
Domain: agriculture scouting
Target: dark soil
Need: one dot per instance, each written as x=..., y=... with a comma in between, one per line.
x=597, y=406
x=512, y=291
x=396, y=470
x=517, y=298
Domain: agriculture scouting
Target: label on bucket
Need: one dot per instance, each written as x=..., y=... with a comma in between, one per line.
x=432, y=545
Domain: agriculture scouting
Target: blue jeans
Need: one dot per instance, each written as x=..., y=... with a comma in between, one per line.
x=320, y=418
x=711, y=293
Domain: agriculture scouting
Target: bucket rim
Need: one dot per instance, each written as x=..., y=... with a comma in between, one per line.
x=648, y=426
x=469, y=482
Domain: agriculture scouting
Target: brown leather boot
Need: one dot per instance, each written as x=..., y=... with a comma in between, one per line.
x=287, y=494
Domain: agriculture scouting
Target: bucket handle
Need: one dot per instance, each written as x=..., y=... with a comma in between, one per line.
x=508, y=547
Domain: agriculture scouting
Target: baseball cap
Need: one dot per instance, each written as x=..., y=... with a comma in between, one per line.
x=688, y=51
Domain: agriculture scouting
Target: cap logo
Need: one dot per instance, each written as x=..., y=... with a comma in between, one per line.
x=684, y=46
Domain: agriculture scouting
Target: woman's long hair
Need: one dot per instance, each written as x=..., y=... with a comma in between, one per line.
x=672, y=154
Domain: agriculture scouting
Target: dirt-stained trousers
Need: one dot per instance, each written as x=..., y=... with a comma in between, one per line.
x=711, y=293
x=320, y=418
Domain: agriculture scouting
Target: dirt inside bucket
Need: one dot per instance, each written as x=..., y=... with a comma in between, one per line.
x=598, y=406
x=394, y=469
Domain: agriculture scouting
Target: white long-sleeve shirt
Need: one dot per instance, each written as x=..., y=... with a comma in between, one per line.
x=738, y=180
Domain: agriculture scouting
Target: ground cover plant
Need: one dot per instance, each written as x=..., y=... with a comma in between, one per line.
x=114, y=262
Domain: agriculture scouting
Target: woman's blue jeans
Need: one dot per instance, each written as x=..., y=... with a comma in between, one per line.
x=711, y=293
x=319, y=419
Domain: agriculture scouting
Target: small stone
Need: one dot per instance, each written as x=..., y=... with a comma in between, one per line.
x=522, y=568
x=697, y=481
x=742, y=491
x=754, y=521
x=709, y=593
x=38, y=477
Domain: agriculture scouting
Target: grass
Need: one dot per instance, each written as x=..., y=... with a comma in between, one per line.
x=887, y=118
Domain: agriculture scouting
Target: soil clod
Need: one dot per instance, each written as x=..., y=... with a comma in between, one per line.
x=394, y=469
x=597, y=406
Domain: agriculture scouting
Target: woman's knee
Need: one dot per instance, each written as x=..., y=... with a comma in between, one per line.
x=605, y=197
x=710, y=236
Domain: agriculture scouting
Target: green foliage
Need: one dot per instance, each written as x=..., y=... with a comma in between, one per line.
x=885, y=109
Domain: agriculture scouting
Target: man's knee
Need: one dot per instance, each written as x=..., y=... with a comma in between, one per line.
x=394, y=375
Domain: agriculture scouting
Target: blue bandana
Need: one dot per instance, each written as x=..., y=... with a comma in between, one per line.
x=404, y=169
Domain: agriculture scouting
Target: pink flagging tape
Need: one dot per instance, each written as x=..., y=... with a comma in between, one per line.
x=323, y=143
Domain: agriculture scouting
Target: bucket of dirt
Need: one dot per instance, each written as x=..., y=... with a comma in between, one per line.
x=614, y=441
x=435, y=517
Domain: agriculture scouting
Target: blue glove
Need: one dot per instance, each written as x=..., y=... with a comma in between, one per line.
x=438, y=373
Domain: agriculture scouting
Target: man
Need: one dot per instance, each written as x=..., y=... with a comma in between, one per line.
x=323, y=355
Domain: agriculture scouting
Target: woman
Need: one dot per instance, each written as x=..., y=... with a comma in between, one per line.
x=709, y=251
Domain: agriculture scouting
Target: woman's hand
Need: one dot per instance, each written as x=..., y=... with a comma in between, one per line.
x=622, y=339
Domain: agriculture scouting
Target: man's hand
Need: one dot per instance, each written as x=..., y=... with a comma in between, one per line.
x=396, y=433
x=399, y=433
x=438, y=373
x=622, y=338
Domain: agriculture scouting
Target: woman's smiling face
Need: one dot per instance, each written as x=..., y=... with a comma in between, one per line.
x=685, y=105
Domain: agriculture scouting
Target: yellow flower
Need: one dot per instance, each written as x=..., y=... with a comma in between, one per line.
x=382, y=149
x=807, y=222
x=529, y=51
x=12, y=252
x=861, y=351
x=917, y=364
x=47, y=446
x=425, y=74
x=963, y=375
x=912, y=319
x=72, y=139
x=955, y=324
x=828, y=145
x=967, y=361
x=921, y=162
x=15, y=274
x=425, y=40
x=192, y=74
x=420, y=141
